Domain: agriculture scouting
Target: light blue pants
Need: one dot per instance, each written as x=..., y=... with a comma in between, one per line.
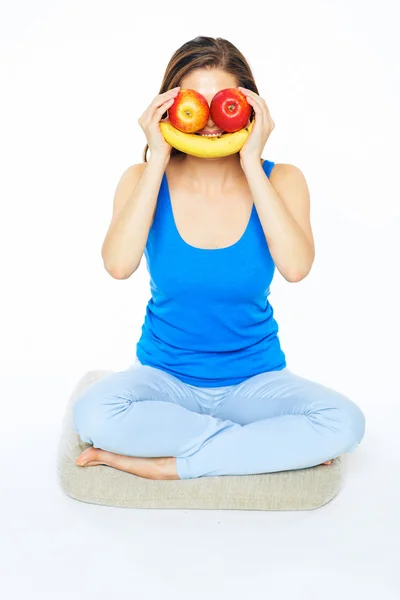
x=273, y=421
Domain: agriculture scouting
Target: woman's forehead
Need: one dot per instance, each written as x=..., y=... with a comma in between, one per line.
x=208, y=81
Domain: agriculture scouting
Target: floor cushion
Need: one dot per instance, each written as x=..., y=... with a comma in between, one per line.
x=301, y=489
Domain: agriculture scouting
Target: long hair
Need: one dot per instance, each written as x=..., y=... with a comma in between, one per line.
x=206, y=52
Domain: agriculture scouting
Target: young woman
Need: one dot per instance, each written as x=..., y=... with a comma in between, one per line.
x=210, y=392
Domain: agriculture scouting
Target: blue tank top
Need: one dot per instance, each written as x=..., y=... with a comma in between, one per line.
x=209, y=321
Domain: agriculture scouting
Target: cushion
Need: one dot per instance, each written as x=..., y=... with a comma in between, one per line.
x=301, y=489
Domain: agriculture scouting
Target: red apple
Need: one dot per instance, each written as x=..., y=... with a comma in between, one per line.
x=190, y=111
x=230, y=110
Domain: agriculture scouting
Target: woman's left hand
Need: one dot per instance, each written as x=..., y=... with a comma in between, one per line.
x=262, y=127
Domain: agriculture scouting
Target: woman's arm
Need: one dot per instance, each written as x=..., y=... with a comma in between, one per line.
x=283, y=207
x=135, y=202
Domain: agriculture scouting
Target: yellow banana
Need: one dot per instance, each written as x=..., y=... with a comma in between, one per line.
x=205, y=147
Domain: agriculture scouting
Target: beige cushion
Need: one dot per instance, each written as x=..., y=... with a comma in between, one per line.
x=301, y=489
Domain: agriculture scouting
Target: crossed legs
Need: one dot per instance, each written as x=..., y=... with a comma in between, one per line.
x=149, y=423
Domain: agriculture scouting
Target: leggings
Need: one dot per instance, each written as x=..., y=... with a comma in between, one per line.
x=273, y=421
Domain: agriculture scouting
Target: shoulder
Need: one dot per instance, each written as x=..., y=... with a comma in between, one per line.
x=133, y=172
x=290, y=182
x=291, y=186
x=129, y=178
x=126, y=183
x=287, y=173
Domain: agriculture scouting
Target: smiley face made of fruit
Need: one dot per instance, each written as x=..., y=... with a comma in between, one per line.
x=190, y=112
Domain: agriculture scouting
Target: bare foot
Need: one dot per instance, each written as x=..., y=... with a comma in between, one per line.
x=327, y=462
x=89, y=457
x=150, y=468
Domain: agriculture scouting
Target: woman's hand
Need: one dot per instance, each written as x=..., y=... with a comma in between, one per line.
x=150, y=123
x=262, y=127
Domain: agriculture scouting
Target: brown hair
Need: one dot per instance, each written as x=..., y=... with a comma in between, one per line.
x=206, y=52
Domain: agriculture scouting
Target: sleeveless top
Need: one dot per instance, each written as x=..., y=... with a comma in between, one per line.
x=209, y=321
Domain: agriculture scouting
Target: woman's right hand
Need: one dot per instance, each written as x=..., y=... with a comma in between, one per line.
x=149, y=122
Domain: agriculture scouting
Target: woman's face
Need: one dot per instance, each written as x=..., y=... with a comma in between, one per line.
x=208, y=82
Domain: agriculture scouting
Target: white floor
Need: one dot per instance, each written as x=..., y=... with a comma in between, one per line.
x=53, y=546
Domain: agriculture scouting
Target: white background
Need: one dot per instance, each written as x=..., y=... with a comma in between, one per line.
x=75, y=77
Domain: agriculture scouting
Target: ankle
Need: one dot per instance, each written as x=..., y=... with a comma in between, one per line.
x=165, y=468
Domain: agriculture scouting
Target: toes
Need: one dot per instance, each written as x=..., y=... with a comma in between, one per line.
x=86, y=457
x=89, y=457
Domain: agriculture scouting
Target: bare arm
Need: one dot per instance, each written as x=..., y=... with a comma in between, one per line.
x=135, y=198
x=135, y=202
x=283, y=206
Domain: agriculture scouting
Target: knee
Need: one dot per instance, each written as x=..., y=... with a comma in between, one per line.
x=357, y=420
x=88, y=415
x=80, y=415
x=352, y=424
x=343, y=418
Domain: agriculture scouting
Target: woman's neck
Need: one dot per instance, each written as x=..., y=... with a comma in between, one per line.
x=205, y=174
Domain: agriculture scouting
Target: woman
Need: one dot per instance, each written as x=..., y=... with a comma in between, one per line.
x=210, y=392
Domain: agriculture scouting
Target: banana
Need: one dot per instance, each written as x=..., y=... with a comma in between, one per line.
x=204, y=147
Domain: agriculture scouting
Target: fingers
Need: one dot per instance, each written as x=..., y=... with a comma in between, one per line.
x=150, y=124
x=163, y=109
x=161, y=98
x=259, y=105
x=254, y=96
x=159, y=101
